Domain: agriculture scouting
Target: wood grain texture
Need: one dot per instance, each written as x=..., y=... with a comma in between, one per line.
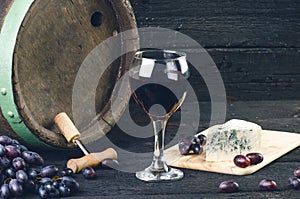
x=255, y=73
x=4, y=9
x=53, y=41
x=226, y=23
x=274, y=144
x=254, y=43
x=276, y=115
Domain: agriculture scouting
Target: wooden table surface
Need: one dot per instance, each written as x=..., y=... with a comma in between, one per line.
x=277, y=115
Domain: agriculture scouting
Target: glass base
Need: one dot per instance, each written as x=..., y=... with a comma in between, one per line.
x=150, y=175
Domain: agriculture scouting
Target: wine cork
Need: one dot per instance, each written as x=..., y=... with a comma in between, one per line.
x=66, y=127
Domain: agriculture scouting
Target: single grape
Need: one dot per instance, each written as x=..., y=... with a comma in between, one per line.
x=19, y=163
x=21, y=176
x=15, y=187
x=5, y=140
x=4, y=191
x=23, y=148
x=44, y=181
x=12, y=151
x=267, y=185
x=196, y=148
x=294, y=183
x=70, y=182
x=228, y=187
x=88, y=173
x=184, y=146
x=33, y=158
x=10, y=172
x=110, y=163
x=32, y=173
x=202, y=139
x=2, y=150
x=49, y=186
x=195, y=139
x=57, y=183
x=66, y=172
x=297, y=172
x=49, y=171
x=241, y=161
x=4, y=162
x=64, y=191
x=54, y=193
x=43, y=193
x=255, y=158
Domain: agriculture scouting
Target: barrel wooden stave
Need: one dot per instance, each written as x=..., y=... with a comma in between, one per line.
x=52, y=42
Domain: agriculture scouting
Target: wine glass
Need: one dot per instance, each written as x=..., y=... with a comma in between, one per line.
x=158, y=80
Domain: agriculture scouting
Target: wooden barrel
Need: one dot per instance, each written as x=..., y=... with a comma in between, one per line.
x=42, y=45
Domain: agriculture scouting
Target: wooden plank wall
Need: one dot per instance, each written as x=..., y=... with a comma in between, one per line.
x=255, y=44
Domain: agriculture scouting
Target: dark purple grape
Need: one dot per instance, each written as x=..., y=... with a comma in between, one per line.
x=294, y=183
x=70, y=182
x=5, y=140
x=10, y=172
x=19, y=163
x=54, y=193
x=228, y=187
x=267, y=185
x=255, y=158
x=241, y=161
x=21, y=176
x=57, y=183
x=32, y=173
x=12, y=151
x=5, y=192
x=202, y=139
x=43, y=193
x=66, y=172
x=196, y=148
x=49, y=186
x=49, y=171
x=4, y=162
x=184, y=146
x=2, y=150
x=64, y=191
x=45, y=180
x=23, y=148
x=195, y=140
x=110, y=163
x=88, y=173
x=33, y=158
x=15, y=187
x=297, y=172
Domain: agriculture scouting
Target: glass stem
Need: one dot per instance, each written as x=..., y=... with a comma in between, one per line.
x=158, y=163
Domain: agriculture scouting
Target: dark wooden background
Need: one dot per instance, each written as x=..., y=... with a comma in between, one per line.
x=255, y=44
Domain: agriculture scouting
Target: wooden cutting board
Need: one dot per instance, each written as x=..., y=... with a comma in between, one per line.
x=274, y=145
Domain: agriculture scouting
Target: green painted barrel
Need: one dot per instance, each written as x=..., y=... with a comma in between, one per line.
x=42, y=45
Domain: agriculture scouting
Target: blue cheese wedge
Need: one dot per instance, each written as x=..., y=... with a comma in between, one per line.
x=234, y=137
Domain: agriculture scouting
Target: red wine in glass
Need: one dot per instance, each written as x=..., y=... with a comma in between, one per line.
x=158, y=81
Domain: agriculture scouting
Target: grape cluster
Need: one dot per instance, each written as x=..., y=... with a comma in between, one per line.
x=23, y=171
x=194, y=144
